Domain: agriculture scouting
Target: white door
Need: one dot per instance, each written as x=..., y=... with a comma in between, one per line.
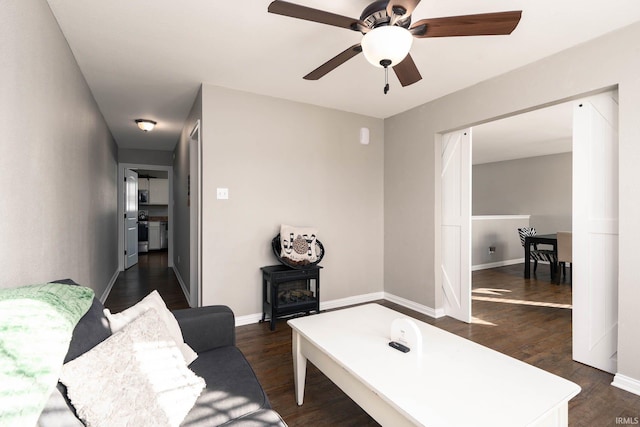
x=455, y=230
x=595, y=232
x=130, y=218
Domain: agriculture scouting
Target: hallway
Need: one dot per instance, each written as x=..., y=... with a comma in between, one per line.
x=151, y=273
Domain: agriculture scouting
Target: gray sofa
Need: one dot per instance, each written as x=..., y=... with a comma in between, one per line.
x=233, y=396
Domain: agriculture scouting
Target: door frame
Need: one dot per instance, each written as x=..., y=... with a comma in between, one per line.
x=195, y=216
x=121, y=174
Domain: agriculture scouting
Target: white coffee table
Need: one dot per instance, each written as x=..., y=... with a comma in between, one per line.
x=454, y=382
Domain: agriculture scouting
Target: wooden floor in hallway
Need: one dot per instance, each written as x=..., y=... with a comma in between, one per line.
x=528, y=319
x=149, y=274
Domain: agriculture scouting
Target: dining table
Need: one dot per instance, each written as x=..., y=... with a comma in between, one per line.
x=547, y=239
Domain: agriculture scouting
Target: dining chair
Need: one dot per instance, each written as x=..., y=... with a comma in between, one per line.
x=536, y=254
x=565, y=246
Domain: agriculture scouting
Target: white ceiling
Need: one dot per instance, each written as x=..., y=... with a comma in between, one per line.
x=147, y=58
x=536, y=133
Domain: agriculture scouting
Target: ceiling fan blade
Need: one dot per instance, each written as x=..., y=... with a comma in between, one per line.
x=308, y=14
x=407, y=5
x=484, y=24
x=334, y=62
x=407, y=72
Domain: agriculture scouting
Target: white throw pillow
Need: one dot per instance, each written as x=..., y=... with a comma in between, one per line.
x=153, y=300
x=135, y=377
x=298, y=243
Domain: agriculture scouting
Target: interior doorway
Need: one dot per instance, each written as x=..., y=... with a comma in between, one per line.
x=162, y=207
x=588, y=135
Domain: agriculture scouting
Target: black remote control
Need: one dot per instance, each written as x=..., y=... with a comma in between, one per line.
x=400, y=347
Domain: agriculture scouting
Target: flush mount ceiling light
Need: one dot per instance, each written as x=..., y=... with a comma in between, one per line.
x=145, y=125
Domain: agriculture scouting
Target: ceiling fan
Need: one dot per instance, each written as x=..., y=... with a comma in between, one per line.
x=388, y=33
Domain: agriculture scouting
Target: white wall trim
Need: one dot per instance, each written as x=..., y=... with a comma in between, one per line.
x=182, y=285
x=497, y=264
x=358, y=299
x=435, y=313
x=195, y=216
x=326, y=305
x=493, y=217
x=626, y=383
x=248, y=319
x=107, y=291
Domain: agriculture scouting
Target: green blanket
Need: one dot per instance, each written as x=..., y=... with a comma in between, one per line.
x=36, y=325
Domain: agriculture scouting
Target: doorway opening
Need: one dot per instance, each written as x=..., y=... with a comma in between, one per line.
x=153, y=211
x=522, y=178
x=594, y=218
x=155, y=268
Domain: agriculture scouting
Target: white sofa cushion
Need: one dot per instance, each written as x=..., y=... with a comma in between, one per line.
x=135, y=377
x=118, y=321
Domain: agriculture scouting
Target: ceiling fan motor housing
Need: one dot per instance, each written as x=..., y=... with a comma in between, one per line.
x=375, y=15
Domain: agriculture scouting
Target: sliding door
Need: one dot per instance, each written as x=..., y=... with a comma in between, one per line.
x=455, y=232
x=595, y=232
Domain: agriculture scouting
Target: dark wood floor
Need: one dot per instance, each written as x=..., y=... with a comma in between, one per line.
x=151, y=273
x=529, y=320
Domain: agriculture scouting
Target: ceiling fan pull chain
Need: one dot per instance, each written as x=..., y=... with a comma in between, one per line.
x=386, y=80
x=385, y=63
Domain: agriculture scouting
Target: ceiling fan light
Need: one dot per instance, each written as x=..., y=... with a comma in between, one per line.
x=145, y=125
x=390, y=43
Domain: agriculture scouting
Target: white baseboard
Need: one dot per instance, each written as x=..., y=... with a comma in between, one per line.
x=248, y=319
x=107, y=291
x=326, y=305
x=626, y=383
x=497, y=264
x=358, y=299
x=429, y=311
x=185, y=290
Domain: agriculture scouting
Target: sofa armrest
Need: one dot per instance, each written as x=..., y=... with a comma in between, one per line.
x=206, y=328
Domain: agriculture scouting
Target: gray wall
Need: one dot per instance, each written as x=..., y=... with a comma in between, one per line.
x=58, y=161
x=181, y=210
x=501, y=233
x=412, y=166
x=536, y=186
x=145, y=157
x=291, y=163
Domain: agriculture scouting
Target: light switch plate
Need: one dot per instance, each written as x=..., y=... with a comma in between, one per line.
x=222, y=193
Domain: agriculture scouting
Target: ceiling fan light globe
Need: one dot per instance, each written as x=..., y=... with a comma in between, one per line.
x=390, y=43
